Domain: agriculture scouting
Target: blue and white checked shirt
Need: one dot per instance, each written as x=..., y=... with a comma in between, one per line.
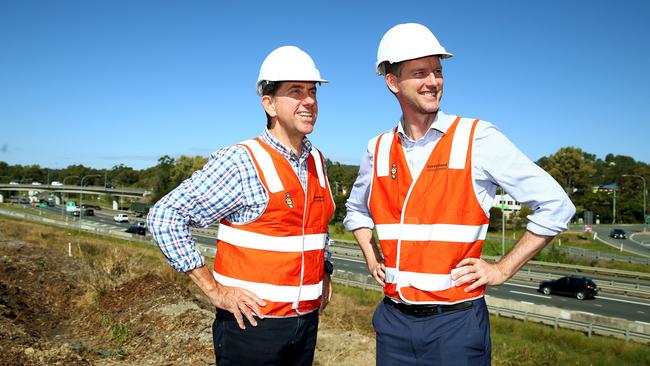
x=227, y=187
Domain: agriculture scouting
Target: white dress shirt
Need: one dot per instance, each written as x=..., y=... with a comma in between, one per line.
x=495, y=162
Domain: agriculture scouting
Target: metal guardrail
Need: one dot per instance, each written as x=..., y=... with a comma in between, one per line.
x=588, y=329
x=577, y=252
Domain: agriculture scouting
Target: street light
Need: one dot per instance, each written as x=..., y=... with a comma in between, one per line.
x=645, y=194
x=81, y=194
x=64, y=179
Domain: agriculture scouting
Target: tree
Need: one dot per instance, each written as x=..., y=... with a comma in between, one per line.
x=571, y=167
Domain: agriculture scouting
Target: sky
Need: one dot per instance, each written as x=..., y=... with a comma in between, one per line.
x=103, y=83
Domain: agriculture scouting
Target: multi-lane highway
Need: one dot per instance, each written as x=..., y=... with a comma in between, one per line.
x=610, y=305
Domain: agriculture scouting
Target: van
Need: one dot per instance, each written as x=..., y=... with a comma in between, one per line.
x=121, y=218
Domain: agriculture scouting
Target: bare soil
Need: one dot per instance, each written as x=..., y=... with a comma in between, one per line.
x=57, y=309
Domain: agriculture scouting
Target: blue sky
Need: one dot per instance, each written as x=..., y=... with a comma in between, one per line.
x=102, y=83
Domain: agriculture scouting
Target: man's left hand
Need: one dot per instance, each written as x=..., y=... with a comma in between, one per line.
x=479, y=273
x=327, y=293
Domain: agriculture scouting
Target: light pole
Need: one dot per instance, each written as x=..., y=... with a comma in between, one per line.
x=645, y=195
x=81, y=194
x=64, y=179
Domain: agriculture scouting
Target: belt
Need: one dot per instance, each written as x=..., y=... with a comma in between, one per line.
x=427, y=310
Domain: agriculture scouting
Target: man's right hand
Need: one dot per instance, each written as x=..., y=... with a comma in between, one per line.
x=239, y=301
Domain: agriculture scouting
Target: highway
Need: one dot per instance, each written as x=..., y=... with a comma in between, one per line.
x=635, y=246
x=610, y=305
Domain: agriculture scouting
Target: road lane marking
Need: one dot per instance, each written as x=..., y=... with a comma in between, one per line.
x=626, y=301
x=598, y=305
x=535, y=295
x=519, y=285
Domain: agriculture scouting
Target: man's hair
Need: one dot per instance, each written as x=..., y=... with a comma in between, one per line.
x=392, y=68
x=269, y=88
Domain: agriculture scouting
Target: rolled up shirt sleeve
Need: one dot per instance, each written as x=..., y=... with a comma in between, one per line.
x=357, y=212
x=497, y=161
x=210, y=194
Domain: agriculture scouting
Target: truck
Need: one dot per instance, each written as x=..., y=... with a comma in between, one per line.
x=140, y=209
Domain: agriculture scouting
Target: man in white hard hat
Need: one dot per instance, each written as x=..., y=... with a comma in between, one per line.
x=272, y=199
x=427, y=186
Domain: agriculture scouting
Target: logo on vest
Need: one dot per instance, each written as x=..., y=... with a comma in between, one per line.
x=393, y=171
x=319, y=199
x=288, y=200
x=432, y=167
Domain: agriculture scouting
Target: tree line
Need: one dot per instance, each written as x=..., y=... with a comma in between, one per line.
x=588, y=180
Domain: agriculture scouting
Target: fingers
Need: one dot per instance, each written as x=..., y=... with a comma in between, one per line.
x=379, y=274
x=327, y=294
x=244, y=309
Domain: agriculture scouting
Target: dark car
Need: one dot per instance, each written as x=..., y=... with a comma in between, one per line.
x=617, y=234
x=579, y=287
x=89, y=212
x=135, y=229
x=75, y=213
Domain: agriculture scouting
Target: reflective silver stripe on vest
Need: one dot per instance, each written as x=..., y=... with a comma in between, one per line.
x=319, y=166
x=274, y=292
x=383, y=154
x=248, y=239
x=432, y=232
x=421, y=281
x=265, y=162
x=459, y=146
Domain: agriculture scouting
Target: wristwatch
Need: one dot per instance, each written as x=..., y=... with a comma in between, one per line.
x=329, y=268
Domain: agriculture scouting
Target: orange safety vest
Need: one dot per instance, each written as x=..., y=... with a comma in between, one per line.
x=426, y=227
x=279, y=256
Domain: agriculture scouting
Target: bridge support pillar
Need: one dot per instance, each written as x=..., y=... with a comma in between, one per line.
x=116, y=203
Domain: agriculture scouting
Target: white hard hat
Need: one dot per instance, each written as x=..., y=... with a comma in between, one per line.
x=288, y=63
x=407, y=42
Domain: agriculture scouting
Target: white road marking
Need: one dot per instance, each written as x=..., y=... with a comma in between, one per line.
x=626, y=301
x=520, y=285
x=535, y=295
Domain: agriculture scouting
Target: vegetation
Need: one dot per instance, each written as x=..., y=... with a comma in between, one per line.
x=586, y=179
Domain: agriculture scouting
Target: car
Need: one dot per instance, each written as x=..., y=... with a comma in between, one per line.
x=13, y=183
x=136, y=229
x=89, y=212
x=121, y=218
x=55, y=183
x=617, y=234
x=141, y=224
x=76, y=213
x=580, y=287
x=36, y=184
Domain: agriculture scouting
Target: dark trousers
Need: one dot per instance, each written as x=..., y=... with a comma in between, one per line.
x=453, y=338
x=275, y=341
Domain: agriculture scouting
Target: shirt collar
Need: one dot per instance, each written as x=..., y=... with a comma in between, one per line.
x=268, y=138
x=441, y=123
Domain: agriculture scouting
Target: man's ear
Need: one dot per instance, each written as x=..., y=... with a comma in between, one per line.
x=269, y=107
x=391, y=82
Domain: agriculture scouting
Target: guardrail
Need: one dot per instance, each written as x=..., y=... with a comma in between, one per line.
x=588, y=329
x=577, y=252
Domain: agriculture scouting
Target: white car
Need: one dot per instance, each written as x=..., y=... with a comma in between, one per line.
x=55, y=183
x=121, y=218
